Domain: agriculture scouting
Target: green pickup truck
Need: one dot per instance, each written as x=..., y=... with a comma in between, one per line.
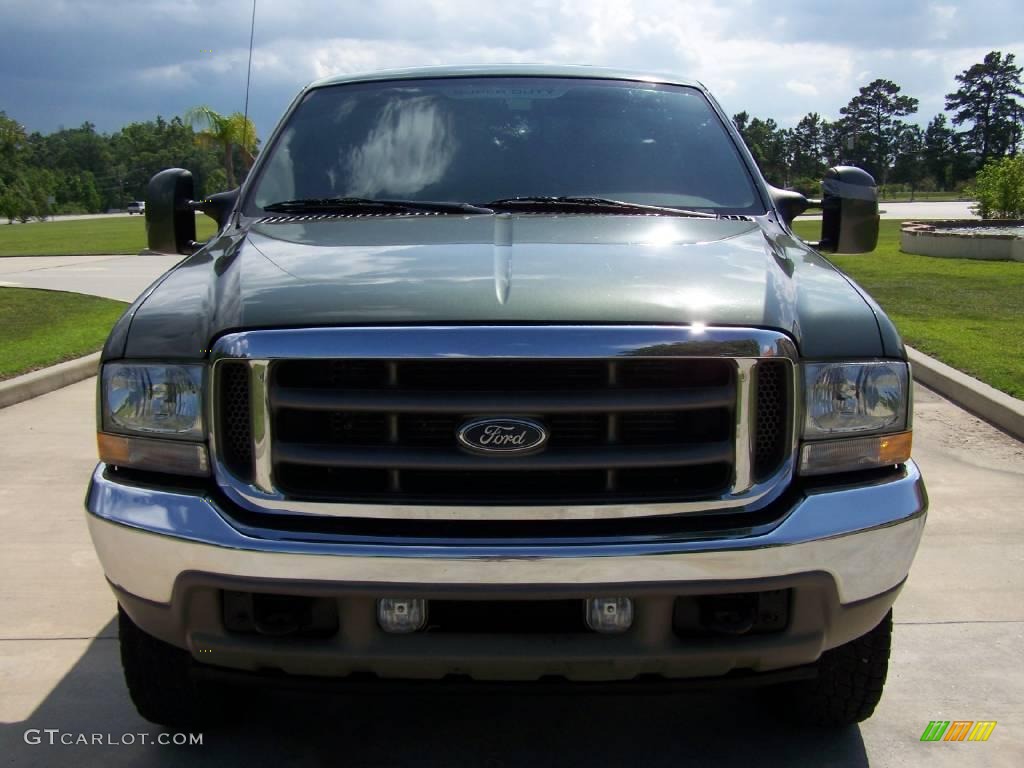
x=506, y=375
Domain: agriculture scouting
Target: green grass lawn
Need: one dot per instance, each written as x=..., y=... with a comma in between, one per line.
x=967, y=313
x=116, y=234
x=41, y=328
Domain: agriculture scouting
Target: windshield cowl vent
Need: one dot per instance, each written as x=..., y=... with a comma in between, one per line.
x=292, y=218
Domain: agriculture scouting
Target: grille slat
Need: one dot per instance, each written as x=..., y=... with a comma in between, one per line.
x=305, y=398
x=579, y=458
x=369, y=430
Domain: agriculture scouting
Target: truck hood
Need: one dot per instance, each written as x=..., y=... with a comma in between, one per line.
x=505, y=269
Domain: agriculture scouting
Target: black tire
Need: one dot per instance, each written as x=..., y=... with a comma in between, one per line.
x=849, y=683
x=159, y=679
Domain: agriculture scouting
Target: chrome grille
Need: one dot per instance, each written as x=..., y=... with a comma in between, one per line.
x=663, y=427
x=233, y=412
x=611, y=423
x=772, y=417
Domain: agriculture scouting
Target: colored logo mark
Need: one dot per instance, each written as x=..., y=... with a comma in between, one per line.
x=958, y=730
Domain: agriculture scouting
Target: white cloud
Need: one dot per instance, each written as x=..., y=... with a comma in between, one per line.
x=782, y=59
x=804, y=89
x=942, y=18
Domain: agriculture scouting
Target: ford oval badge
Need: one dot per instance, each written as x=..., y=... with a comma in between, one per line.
x=502, y=436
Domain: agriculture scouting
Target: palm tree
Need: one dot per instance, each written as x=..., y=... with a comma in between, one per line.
x=225, y=132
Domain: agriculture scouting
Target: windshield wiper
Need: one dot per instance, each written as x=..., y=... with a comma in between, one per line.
x=572, y=203
x=334, y=204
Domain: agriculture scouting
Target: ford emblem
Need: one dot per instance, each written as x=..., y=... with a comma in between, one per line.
x=502, y=436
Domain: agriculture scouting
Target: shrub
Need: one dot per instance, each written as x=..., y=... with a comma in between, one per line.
x=807, y=187
x=999, y=189
x=63, y=209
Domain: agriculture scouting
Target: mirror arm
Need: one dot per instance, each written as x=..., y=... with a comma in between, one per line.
x=788, y=202
x=218, y=207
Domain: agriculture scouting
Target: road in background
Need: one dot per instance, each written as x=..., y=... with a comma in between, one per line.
x=956, y=654
x=924, y=210
x=113, y=277
x=78, y=216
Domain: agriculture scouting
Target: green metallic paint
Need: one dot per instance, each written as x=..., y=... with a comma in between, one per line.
x=538, y=269
x=506, y=269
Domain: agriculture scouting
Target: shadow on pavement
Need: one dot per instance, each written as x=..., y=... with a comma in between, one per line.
x=731, y=727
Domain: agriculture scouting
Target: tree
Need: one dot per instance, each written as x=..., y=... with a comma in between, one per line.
x=833, y=142
x=91, y=171
x=768, y=143
x=73, y=150
x=999, y=189
x=41, y=184
x=225, y=132
x=987, y=99
x=871, y=120
x=27, y=195
x=76, y=193
x=216, y=181
x=909, y=167
x=12, y=147
x=939, y=152
x=140, y=150
x=807, y=147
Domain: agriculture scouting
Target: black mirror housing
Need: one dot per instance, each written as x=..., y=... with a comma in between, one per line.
x=849, y=211
x=220, y=206
x=170, y=217
x=789, y=203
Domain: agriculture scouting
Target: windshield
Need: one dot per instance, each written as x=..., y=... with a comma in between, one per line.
x=475, y=140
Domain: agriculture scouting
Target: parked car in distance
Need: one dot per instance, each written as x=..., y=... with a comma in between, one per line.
x=509, y=374
x=136, y=206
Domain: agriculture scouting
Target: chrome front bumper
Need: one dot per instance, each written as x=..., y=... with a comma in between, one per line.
x=864, y=536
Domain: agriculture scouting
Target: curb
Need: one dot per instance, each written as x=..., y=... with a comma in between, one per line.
x=995, y=407
x=46, y=380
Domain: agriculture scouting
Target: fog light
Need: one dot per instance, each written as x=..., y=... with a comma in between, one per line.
x=400, y=616
x=609, y=614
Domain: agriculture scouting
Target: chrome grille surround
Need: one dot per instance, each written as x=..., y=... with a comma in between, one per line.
x=746, y=347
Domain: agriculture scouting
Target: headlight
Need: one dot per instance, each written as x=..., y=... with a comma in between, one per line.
x=866, y=406
x=846, y=398
x=143, y=401
x=153, y=399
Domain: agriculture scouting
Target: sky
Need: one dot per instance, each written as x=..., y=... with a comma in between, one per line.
x=110, y=62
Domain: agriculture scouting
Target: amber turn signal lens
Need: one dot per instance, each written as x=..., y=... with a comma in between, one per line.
x=851, y=454
x=172, y=456
x=895, y=449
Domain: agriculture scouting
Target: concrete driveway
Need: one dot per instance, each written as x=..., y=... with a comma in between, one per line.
x=958, y=652
x=113, y=277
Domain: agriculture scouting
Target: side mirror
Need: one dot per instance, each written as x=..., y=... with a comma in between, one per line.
x=849, y=211
x=789, y=203
x=170, y=217
x=218, y=207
